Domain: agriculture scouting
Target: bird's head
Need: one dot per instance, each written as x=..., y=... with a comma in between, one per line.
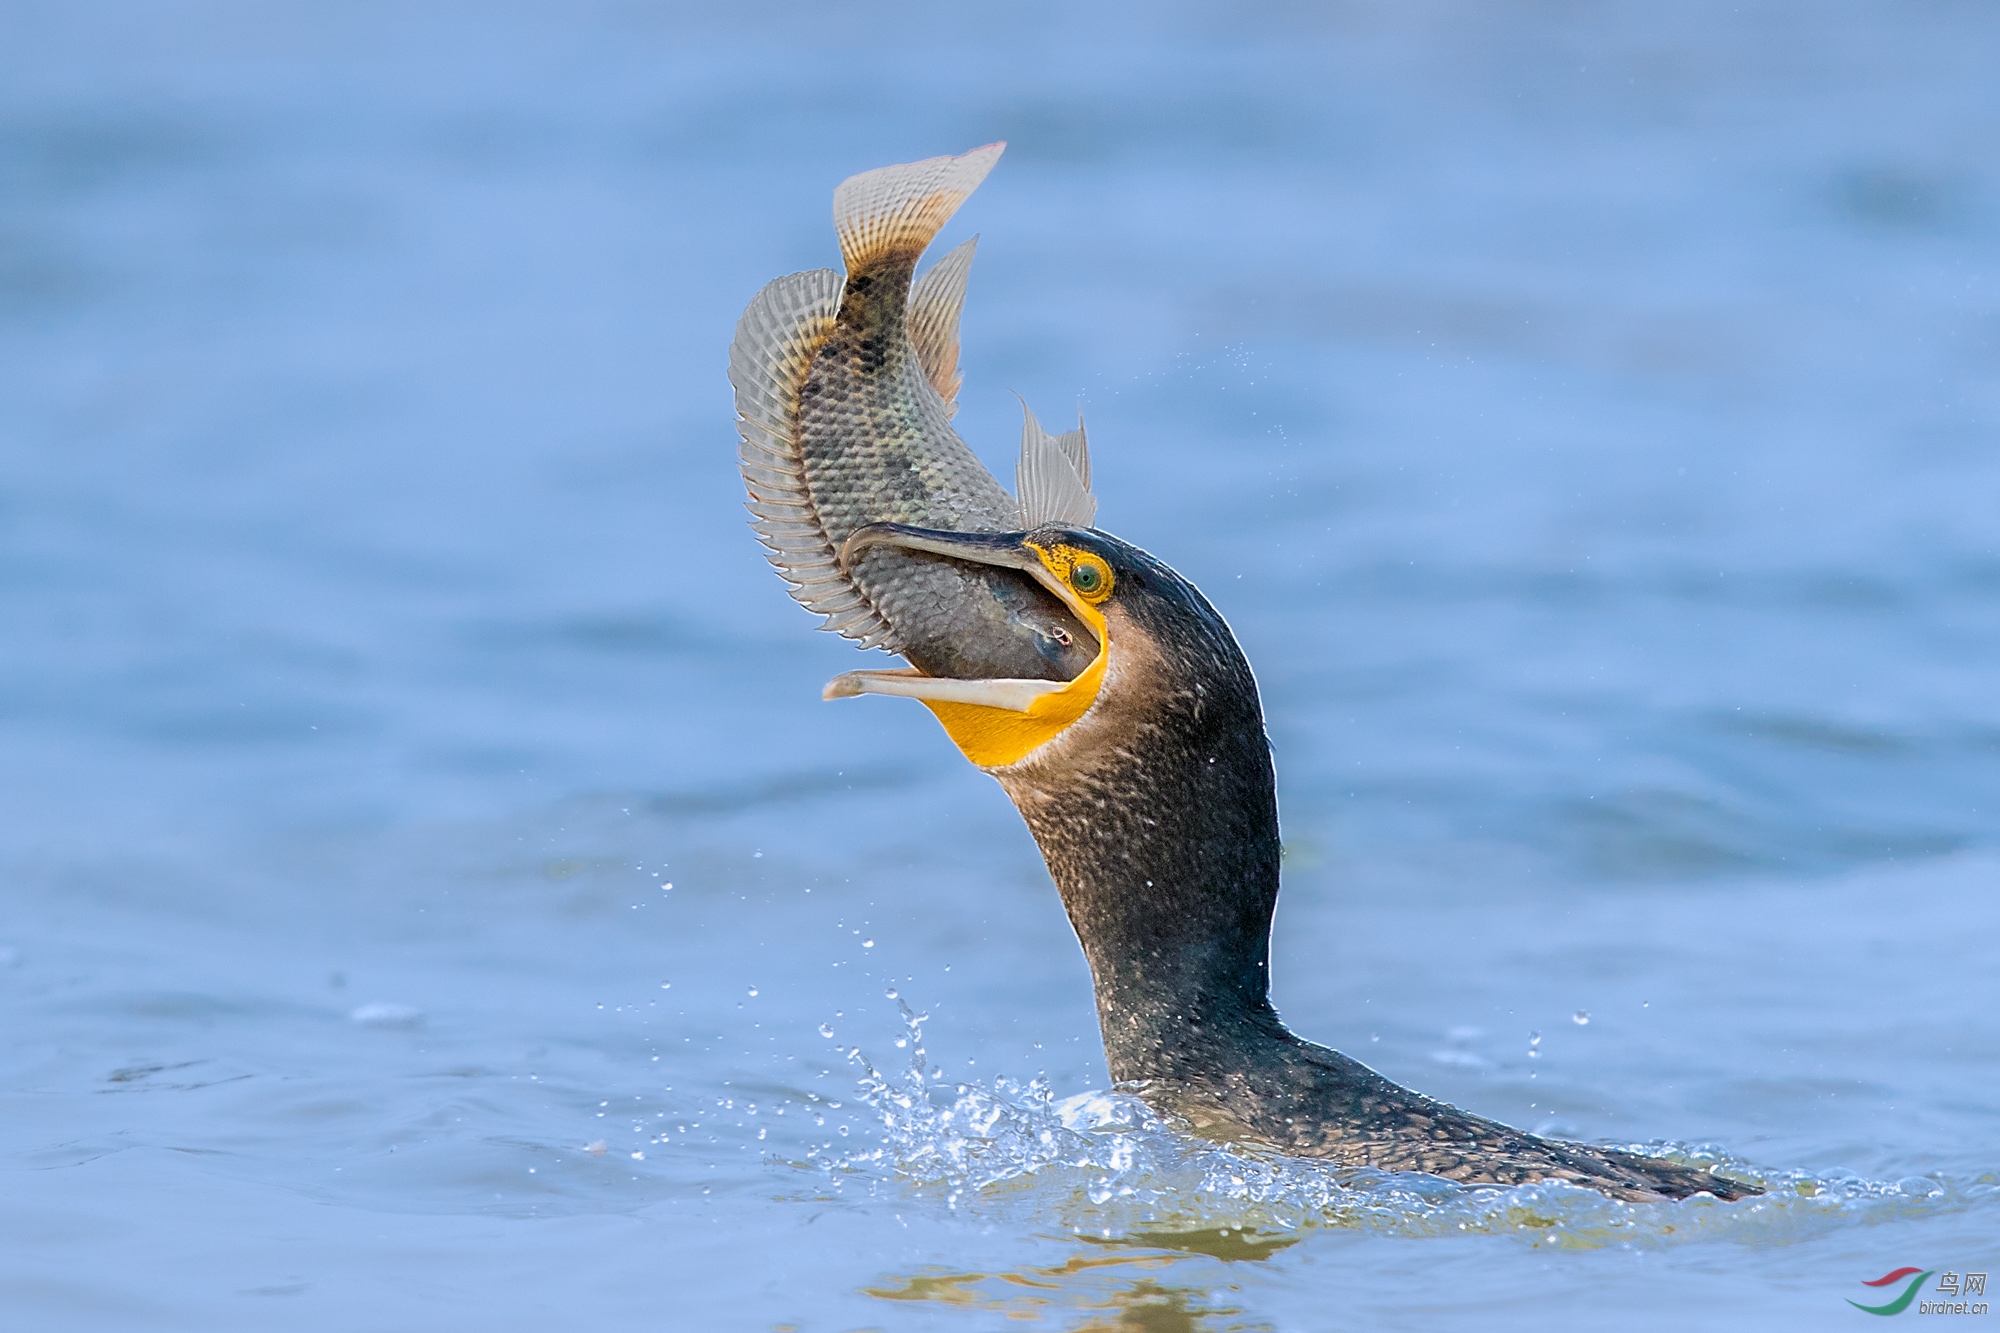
x=1165, y=659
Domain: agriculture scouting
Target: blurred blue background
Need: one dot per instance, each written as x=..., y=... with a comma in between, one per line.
x=1585, y=414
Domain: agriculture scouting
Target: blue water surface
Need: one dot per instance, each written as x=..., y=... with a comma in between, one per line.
x=434, y=896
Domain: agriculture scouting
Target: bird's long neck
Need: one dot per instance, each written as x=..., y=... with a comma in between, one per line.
x=1165, y=848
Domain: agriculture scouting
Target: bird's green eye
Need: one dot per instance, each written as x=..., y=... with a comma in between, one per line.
x=1084, y=571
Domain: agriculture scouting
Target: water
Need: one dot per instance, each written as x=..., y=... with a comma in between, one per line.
x=1586, y=418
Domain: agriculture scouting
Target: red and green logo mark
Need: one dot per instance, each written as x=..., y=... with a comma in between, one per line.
x=1902, y=1302
x=1951, y=1288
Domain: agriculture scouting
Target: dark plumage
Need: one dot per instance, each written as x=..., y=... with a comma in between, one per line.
x=1157, y=814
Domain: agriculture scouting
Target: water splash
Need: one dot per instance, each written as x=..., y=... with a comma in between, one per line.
x=1104, y=1167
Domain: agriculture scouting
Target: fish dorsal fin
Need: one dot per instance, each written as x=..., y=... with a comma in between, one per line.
x=1051, y=477
x=891, y=212
x=935, y=302
x=1076, y=448
x=776, y=340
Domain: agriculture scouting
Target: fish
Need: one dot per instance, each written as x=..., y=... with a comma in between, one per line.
x=846, y=384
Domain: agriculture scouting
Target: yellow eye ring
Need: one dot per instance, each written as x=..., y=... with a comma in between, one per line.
x=1090, y=576
x=1086, y=572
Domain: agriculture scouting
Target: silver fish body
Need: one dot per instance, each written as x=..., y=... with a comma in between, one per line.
x=845, y=390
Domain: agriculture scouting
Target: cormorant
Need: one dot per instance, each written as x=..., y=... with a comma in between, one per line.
x=1147, y=782
x=1098, y=686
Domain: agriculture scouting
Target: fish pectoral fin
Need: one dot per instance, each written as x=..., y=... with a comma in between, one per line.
x=895, y=211
x=935, y=302
x=1053, y=478
x=1015, y=696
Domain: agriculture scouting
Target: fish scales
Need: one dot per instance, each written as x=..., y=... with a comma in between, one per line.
x=877, y=442
x=842, y=387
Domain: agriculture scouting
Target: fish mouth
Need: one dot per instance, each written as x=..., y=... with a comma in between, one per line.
x=1005, y=550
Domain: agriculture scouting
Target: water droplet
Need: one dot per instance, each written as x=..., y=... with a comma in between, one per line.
x=638, y=1157
x=826, y=1029
x=666, y=985
x=1581, y=1018
x=1534, y=1039
x=891, y=992
x=868, y=944
x=753, y=990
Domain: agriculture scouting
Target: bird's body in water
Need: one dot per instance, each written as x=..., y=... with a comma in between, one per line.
x=1146, y=779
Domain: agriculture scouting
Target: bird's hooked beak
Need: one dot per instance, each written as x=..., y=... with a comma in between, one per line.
x=995, y=722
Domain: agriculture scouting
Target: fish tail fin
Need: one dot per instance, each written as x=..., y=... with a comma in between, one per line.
x=935, y=303
x=891, y=213
x=776, y=340
x=1052, y=479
